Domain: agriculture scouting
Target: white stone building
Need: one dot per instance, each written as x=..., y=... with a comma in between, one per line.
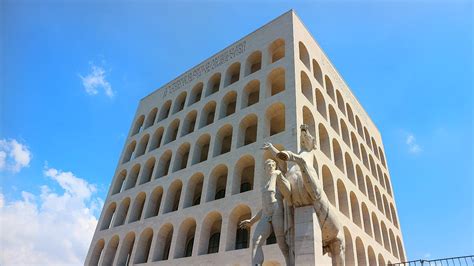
x=191, y=166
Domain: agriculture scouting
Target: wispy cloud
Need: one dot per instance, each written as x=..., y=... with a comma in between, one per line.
x=13, y=155
x=96, y=81
x=413, y=146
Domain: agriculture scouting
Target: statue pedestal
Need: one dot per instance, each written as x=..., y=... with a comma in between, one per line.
x=308, y=239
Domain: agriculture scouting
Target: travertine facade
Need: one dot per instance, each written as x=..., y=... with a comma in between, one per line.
x=192, y=165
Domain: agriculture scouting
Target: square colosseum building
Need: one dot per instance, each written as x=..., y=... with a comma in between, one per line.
x=191, y=168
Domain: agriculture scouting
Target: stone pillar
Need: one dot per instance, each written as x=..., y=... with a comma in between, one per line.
x=308, y=239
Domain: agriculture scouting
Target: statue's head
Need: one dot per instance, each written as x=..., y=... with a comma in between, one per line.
x=270, y=165
x=308, y=142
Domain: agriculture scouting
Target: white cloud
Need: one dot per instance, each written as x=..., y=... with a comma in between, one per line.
x=13, y=155
x=95, y=81
x=413, y=146
x=50, y=228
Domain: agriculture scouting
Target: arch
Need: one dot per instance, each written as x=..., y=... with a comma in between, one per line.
x=142, y=146
x=154, y=202
x=386, y=241
x=108, y=216
x=96, y=254
x=350, y=114
x=253, y=63
x=276, y=81
x=185, y=240
x=147, y=171
x=337, y=153
x=329, y=88
x=182, y=156
x=371, y=255
x=228, y=104
x=400, y=250
x=342, y=199
x=232, y=74
x=129, y=152
x=308, y=119
x=110, y=251
x=163, y=242
x=138, y=125
x=223, y=142
x=151, y=117
x=360, y=250
x=251, y=93
x=189, y=123
x=372, y=166
x=248, y=129
x=365, y=160
x=317, y=73
x=328, y=185
x=164, y=164
x=165, y=111
x=380, y=176
x=196, y=93
x=172, y=131
x=374, y=148
x=126, y=249
x=340, y=102
x=132, y=177
x=355, y=210
x=370, y=189
x=378, y=199
x=143, y=246
x=156, y=138
x=213, y=84
x=349, y=248
x=276, y=50
x=345, y=133
x=304, y=55
x=366, y=219
x=201, y=148
x=122, y=212
x=324, y=143
x=207, y=114
x=394, y=215
x=244, y=171
x=333, y=119
x=359, y=127
x=381, y=260
x=376, y=227
x=360, y=180
x=321, y=104
x=173, y=196
x=194, y=190
x=210, y=234
x=137, y=209
x=386, y=208
x=367, y=138
x=119, y=182
x=387, y=184
x=355, y=145
x=238, y=238
x=217, y=183
x=382, y=157
x=350, y=168
x=275, y=119
x=393, y=244
x=306, y=87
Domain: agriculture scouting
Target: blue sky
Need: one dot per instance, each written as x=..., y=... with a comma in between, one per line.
x=410, y=63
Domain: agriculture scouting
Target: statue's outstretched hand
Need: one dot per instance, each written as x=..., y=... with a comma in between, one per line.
x=245, y=224
x=267, y=146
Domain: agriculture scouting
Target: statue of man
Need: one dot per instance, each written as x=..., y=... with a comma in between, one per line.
x=271, y=215
x=307, y=189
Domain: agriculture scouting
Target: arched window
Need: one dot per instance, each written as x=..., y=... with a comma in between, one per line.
x=147, y=171
x=201, y=149
x=340, y=102
x=308, y=119
x=151, y=117
x=172, y=131
x=386, y=242
x=138, y=125
x=317, y=73
x=400, y=250
x=359, y=127
x=189, y=123
x=154, y=203
x=372, y=166
x=329, y=88
x=165, y=111
x=97, y=253
x=328, y=185
x=324, y=143
x=304, y=55
x=143, y=246
x=248, y=130
x=233, y=74
x=251, y=93
x=342, y=199
x=381, y=260
x=244, y=171
x=122, y=212
x=276, y=50
x=360, y=252
x=306, y=87
x=210, y=234
x=350, y=114
x=163, y=242
x=217, y=183
x=374, y=148
x=182, y=156
x=207, y=114
x=196, y=93
x=387, y=184
x=372, y=259
x=380, y=176
x=253, y=63
x=333, y=119
x=375, y=223
x=370, y=189
x=393, y=244
x=345, y=133
x=142, y=146
x=213, y=84
x=276, y=81
x=386, y=208
x=110, y=251
x=360, y=180
x=275, y=119
x=364, y=157
x=173, y=196
x=366, y=219
x=194, y=190
x=349, y=248
x=367, y=138
x=185, y=240
x=156, y=139
x=382, y=158
x=379, y=199
x=355, y=210
x=223, y=143
x=238, y=238
x=125, y=253
x=164, y=164
x=337, y=155
x=228, y=104
x=132, y=177
x=108, y=216
x=355, y=145
x=321, y=104
x=137, y=209
x=119, y=182
x=394, y=215
x=129, y=152
x=350, y=168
